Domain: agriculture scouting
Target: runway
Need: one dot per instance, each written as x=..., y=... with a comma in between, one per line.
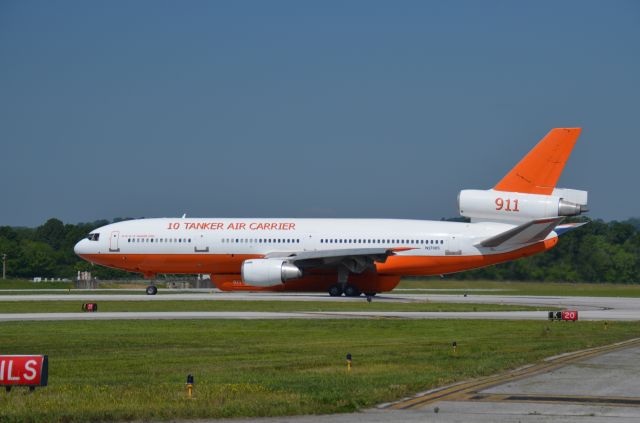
x=590, y=308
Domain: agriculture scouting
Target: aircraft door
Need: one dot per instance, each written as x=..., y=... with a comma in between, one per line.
x=201, y=244
x=452, y=246
x=113, y=241
x=310, y=242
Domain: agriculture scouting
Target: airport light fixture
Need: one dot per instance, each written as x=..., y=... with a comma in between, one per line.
x=4, y=266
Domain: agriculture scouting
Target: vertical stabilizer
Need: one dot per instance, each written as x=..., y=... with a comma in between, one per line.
x=539, y=171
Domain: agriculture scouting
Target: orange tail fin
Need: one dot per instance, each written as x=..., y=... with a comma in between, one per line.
x=539, y=170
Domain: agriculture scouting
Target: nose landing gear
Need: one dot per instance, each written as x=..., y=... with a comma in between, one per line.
x=151, y=290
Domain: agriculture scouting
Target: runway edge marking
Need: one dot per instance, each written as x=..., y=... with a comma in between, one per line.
x=462, y=390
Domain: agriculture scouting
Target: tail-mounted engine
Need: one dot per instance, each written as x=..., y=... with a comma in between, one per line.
x=513, y=206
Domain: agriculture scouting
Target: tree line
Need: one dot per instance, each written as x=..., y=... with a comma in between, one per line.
x=47, y=251
x=597, y=252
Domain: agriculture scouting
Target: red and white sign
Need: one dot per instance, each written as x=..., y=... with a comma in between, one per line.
x=570, y=315
x=27, y=370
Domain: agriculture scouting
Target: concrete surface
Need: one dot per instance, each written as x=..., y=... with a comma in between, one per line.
x=615, y=374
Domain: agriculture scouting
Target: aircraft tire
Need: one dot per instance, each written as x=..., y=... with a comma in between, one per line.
x=151, y=290
x=351, y=291
x=335, y=291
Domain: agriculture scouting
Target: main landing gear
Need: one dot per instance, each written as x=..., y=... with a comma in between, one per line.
x=349, y=291
x=344, y=287
x=335, y=290
x=151, y=290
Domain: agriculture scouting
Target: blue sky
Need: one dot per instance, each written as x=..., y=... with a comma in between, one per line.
x=307, y=109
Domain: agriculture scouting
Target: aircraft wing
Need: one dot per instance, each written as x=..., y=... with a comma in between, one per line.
x=356, y=260
x=527, y=233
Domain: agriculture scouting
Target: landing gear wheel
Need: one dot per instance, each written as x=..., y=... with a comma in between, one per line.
x=351, y=291
x=335, y=291
x=152, y=290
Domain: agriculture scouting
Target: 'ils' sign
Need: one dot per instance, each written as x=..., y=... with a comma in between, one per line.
x=23, y=370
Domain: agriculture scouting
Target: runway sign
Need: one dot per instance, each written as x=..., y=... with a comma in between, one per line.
x=566, y=315
x=92, y=307
x=23, y=370
x=570, y=315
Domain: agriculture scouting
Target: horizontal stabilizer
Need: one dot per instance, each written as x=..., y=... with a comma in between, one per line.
x=566, y=227
x=527, y=233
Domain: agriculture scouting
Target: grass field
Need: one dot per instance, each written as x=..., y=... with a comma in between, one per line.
x=272, y=306
x=446, y=286
x=135, y=370
x=23, y=284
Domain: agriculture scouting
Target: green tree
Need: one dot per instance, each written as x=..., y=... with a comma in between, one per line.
x=52, y=232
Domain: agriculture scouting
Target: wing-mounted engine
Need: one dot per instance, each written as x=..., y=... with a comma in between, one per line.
x=269, y=272
x=277, y=268
x=503, y=206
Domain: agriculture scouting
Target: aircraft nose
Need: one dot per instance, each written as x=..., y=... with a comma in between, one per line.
x=80, y=247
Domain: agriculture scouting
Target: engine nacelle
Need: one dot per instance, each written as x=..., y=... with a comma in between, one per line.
x=515, y=206
x=268, y=272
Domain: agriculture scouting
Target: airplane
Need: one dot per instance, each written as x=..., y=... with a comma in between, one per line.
x=520, y=216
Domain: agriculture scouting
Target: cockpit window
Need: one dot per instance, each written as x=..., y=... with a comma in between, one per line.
x=93, y=237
